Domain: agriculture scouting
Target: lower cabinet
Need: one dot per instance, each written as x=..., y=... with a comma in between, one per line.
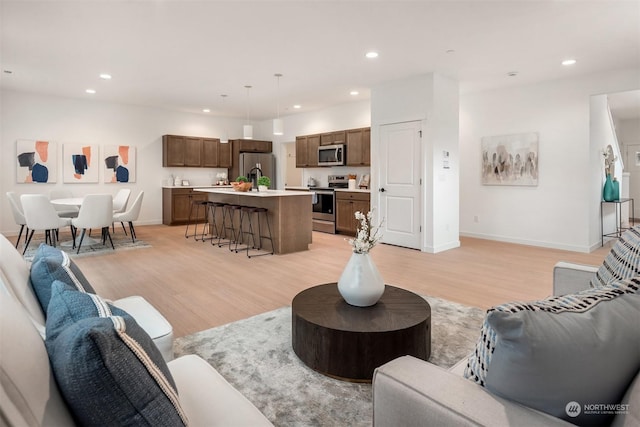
x=176, y=204
x=347, y=204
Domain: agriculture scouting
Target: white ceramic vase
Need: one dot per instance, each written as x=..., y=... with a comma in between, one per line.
x=262, y=188
x=361, y=283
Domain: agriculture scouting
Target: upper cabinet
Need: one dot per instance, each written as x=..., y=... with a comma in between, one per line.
x=333, y=138
x=215, y=154
x=357, y=143
x=189, y=151
x=252, y=146
x=307, y=151
x=359, y=147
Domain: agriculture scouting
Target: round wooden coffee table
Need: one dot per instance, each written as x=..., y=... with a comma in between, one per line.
x=349, y=343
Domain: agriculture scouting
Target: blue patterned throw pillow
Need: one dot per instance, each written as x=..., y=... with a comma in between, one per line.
x=51, y=264
x=108, y=369
x=583, y=348
x=622, y=262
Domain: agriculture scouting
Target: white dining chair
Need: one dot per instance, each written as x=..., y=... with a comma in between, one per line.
x=120, y=201
x=40, y=215
x=18, y=215
x=64, y=211
x=96, y=212
x=130, y=215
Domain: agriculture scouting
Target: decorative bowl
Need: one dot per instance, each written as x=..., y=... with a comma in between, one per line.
x=241, y=186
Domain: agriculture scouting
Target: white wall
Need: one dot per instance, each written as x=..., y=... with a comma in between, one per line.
x=433, y=100
x=65, y=120
x=563, y=210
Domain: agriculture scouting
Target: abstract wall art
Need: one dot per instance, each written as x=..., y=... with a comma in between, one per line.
x=79, y=163
x=510, y=159
x=119, y=163
x=36, y=162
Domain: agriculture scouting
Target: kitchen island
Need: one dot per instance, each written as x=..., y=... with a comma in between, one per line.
x=289, y=214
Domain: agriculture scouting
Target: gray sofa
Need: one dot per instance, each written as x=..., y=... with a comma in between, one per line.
x=30, y=395
x=411, y=392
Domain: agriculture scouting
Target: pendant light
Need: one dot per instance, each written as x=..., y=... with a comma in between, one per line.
x=247, y=129
x=224, y=139
x=278, y=127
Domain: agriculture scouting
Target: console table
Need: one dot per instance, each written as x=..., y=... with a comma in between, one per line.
x=349, y=343
x=619, y=229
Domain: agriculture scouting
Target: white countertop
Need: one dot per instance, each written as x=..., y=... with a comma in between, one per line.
x=196, y=186
x=356, y=190
x=268, y=193
x=336, y=189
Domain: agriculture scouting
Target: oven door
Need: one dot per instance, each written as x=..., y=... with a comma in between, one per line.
x=324, y=208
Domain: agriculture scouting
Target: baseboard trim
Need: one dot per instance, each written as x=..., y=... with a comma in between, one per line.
x=550, y=245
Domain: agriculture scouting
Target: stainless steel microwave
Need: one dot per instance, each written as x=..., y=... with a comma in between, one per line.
x=331, y=155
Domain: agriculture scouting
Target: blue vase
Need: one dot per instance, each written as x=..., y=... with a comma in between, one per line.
x=616, y=189
x=608, y=192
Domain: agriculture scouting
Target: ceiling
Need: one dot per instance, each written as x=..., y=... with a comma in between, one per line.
x=183, y=55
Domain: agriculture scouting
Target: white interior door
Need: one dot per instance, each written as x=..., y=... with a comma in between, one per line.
x=399, y=190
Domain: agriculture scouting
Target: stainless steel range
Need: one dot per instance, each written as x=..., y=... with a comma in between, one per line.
x=324, y=206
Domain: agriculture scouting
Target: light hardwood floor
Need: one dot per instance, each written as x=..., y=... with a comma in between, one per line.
x=197, y=286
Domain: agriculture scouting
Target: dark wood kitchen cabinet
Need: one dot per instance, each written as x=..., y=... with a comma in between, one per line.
x=176, y=204
x=333, y=138
x=307, y=151
x=190, y=151
x=347, y=204
x=215, y=154
x=252, y=146
x=358, y=143
x=183, y=151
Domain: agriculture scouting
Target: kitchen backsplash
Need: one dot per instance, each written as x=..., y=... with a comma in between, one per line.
x=195, y=176
x=321, y=174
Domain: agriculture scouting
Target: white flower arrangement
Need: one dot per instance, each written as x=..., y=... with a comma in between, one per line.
x=367, y=236
x=609, y=160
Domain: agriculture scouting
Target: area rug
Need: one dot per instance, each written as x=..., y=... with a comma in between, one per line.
x=256, y=357
x=120, y=242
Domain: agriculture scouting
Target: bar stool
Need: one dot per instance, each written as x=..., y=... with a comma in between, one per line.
x=245, y=223
x=197, y=204
x=247, y=214
x=211, y=227
x=228, y=217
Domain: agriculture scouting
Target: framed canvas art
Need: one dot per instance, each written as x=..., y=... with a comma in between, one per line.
x=119, y=163
x=510, y=159
x=79, y=163
x=36, y=162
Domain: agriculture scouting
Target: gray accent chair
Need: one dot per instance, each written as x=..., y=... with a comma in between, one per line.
x=411, y=392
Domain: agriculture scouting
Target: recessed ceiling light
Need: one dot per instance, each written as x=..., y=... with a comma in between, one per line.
x=450, y=51
x=91, y=91
x=105, y=76
x=371, y=55
x=7, y=71
x=206, y=110
x=297, y=106
x=512, y=73
x=567, y=62
x=354, y=92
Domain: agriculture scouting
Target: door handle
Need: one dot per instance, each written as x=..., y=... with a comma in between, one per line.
x=382, y=190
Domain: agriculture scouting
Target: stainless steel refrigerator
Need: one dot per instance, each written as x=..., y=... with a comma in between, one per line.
x=266, y=163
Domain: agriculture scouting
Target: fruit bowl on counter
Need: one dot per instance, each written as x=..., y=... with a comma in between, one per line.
x=241, y=186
